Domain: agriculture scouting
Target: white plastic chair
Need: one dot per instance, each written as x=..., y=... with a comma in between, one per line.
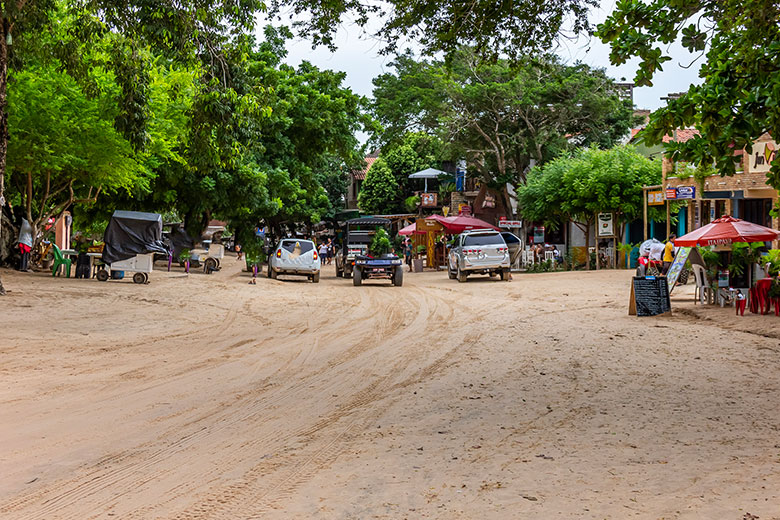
x=702, y=291
x=549, y=255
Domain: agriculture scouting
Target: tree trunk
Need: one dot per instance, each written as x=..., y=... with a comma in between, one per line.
x=3, y=117
x=587, y=247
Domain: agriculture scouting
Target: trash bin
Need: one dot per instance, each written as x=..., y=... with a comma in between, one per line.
x=417, y=265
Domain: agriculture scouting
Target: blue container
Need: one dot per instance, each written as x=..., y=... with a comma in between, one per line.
x=117, y=275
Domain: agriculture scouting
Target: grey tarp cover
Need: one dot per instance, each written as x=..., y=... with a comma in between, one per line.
x=131, y=233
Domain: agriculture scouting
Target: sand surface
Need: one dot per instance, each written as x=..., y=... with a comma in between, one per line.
x=203, y=397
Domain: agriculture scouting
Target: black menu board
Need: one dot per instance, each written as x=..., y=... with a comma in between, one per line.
x=649, y=296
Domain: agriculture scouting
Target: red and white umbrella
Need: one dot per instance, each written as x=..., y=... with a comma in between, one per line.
x=727, y=230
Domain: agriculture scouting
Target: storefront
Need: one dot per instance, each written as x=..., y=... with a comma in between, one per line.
x=744, y=195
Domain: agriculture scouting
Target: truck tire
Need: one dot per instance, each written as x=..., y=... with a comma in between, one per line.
x=461, y=276
x=505, y=275
x=357, y=276
x=271, y=273
x=398, y=277
x=315, y=278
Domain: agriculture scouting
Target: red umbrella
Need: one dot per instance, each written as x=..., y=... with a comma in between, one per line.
x=461, y=223
x=411, y=229
x=724, y=231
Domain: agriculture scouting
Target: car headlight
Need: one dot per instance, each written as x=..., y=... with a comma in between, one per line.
x=397, y=262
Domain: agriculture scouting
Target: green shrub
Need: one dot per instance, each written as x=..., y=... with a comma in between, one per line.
x=380, y=245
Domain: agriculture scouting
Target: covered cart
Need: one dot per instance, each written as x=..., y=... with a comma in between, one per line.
x=131, y=240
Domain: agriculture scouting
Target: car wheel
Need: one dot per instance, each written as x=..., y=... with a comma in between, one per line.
x=357, y=276
x=316, y=277
x=272, y=273
x=139, y=278
x=102, y=275
x=505, y=275
x=461, y=275
x=452, y=274
x=398, y=278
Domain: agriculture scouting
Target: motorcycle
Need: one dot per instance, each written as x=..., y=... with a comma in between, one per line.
x=648, y=267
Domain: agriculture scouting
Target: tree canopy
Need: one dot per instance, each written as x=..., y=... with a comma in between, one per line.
x=501, y=117
x=739, y=98
x=575, y=187
x=510, y=29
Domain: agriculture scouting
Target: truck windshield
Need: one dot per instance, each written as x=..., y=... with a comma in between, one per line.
x=483, y=240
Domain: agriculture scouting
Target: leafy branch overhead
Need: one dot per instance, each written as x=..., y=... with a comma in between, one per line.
x=504, y=28
x=739, y=98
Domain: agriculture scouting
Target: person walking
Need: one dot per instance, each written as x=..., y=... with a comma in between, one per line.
x=331, y=250
x=668, y=254
x=25, y=244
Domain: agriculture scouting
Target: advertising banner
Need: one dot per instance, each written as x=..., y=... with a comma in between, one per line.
x=655, y=198
x=605, y=225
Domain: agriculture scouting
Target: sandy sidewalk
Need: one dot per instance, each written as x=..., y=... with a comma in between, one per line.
x=203, y=397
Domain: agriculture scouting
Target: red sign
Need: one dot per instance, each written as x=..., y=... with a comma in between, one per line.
x=671, y=193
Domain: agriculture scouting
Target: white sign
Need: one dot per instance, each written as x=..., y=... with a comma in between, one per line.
x=510, y=223
x=605, y=225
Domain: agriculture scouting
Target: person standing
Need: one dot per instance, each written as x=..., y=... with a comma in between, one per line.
x=25, y=244
x=408, y=253
x=668, y=254
x=323, y=250
x=331, y=250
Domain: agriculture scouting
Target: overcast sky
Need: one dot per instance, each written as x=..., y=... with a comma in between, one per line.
x=358, y=56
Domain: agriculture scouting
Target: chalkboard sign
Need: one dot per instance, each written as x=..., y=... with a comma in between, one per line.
x=649, y=296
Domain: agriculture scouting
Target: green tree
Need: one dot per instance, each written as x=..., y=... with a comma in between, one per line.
x=739, y=98
x=416, y=151
x=503, y=118
x=576, y=187
x=64, y=149
x=379, y=192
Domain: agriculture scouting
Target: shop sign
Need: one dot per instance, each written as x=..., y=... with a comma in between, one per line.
x=671, y=193
x=655, y=198
x=503, y=223
x=685, y=192
x=763, y=155
x=464, y=209
x=428, y=200
x=539, y=235
x=605, y=225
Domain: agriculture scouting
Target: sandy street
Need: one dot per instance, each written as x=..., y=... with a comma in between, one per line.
x=203, y=397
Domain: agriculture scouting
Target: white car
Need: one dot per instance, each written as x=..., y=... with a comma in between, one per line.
x=297, y=257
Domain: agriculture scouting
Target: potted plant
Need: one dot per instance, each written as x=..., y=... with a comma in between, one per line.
x=774, y=294
x=771, y=262
x=254, y=257
x=380, y=245
x=184, y=257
